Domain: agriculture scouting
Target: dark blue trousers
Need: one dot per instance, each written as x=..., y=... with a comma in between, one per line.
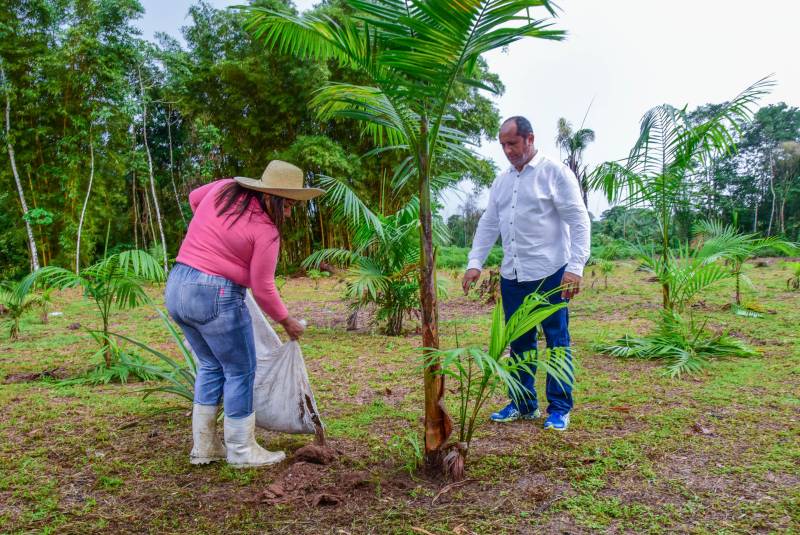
x=556, y=333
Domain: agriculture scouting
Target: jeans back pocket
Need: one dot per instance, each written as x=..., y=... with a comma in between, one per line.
x=199, y=302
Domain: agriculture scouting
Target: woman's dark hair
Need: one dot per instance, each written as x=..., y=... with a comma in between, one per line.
x=235, y=200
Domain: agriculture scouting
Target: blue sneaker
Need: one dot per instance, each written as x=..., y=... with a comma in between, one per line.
x=557, y=421
x=511, y=413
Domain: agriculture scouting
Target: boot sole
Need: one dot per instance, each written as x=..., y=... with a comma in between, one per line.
x=205, y=460
x=256, y=465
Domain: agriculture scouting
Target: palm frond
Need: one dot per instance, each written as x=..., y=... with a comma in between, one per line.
x=384, y=119
x=683, y=346
x=140, y=264
x=338, y=257
x=347, y=205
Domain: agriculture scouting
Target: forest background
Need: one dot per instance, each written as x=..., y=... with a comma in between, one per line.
x=106, y=133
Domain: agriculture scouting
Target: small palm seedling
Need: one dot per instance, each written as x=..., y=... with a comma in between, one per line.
x=315, y=275
x=793, y=282
x=684, y=346
x=17, y=302
x=116, y=281
x=480, y=373
x=606, y=267
x=603, y=256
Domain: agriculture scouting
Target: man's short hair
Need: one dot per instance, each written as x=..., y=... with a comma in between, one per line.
x=524, y=127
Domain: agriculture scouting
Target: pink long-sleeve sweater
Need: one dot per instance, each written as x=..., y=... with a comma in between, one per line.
x=245, y=252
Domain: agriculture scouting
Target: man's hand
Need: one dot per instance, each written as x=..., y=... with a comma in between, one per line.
x=470, y=278
x=293, y=327
x=572, y=285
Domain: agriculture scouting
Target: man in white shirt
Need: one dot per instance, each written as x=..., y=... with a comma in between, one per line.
x=536, y=208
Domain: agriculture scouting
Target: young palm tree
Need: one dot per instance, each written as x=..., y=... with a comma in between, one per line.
x=480, y=372
x=573, y=143
x=414, y=54
x=384, y=257
x=114, y=282
x=657, y=171
x=737, y=248
x=17, y=303
x=680, y=339
x=793, y=282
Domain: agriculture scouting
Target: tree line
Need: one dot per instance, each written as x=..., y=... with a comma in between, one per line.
x=105, y=133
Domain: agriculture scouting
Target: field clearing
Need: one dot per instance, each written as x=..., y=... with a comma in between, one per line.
x=716, y=452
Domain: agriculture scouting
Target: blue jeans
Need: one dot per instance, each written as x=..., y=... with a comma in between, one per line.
x=556, y=333
x=211, y=312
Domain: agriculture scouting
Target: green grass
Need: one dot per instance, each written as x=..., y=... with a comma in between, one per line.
x=711, y=453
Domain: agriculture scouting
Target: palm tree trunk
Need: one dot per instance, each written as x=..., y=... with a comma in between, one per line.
x=12, y=158
x=585, y=190
x=438, y=424
x=667, y=303
x=152, y=178
x=738, y=288
x=85, y=204
x=106, y=345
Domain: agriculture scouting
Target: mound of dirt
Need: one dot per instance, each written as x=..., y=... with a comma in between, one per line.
x=313, y=453
x=53, y=373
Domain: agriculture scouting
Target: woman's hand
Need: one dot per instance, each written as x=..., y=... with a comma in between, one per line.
x=294, y=328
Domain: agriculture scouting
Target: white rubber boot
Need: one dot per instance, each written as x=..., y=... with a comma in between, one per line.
x=207, y=445
x=243, y=450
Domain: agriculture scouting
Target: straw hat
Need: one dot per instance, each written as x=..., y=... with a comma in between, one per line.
x=282, y=179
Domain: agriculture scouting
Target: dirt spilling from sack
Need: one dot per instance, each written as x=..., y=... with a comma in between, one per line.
x=313, y=453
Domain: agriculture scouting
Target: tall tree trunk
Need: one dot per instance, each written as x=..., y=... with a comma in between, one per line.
x=172, y=167
x=755, y=215
x=85, y=203
x=147, y=220
x=135, y=212
x=150, y=169
x=13, y=160
x=772, y=191
x=438, y=424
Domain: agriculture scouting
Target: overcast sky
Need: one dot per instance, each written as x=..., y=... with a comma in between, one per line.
x=625, y=56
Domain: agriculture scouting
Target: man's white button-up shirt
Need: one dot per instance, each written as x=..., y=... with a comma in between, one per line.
x=542, y=221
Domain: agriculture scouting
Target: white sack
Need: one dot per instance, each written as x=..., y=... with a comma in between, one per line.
x=282, y=397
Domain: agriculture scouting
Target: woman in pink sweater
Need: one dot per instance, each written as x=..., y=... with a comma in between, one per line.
x=232, y=244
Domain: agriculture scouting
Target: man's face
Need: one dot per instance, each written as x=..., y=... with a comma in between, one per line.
x=519, y=150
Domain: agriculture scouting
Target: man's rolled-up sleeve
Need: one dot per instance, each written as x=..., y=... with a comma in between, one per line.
x=569, y=203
